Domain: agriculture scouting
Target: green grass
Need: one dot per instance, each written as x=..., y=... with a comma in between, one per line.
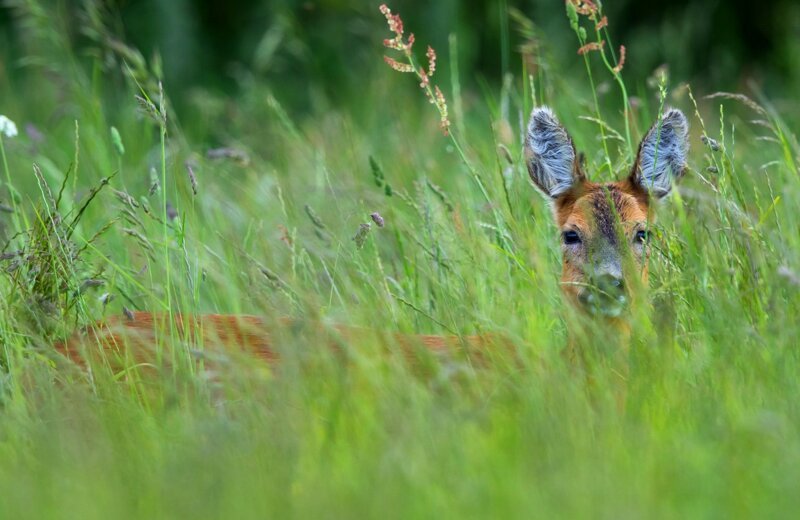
x=711, y=426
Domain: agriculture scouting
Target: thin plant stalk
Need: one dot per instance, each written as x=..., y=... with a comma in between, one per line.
x=11, y=190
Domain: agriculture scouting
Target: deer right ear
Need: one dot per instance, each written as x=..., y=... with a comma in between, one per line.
x=661, y=159
x=550, y=155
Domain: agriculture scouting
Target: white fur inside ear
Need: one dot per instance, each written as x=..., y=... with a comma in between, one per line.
x=662, y=156
x=549, y=153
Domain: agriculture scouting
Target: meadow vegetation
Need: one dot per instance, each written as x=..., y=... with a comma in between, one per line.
x=373, y=216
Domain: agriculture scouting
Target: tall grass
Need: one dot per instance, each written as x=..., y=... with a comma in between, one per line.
x=265, y=224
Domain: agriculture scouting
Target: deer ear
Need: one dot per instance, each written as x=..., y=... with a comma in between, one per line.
x=662, y=154
x=550, y=154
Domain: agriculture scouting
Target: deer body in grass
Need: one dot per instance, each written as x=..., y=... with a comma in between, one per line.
x=603, y=229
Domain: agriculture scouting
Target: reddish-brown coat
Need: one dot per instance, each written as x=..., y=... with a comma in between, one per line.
x=134, y=338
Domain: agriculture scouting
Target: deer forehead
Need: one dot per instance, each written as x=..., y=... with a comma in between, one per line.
x=597, y=207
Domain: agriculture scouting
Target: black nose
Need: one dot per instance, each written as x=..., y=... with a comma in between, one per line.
x=610, y=284
x=606, y=296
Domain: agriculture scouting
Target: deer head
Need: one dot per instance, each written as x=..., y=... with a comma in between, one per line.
x=604, y=226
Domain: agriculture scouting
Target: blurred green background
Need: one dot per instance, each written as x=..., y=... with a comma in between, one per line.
x=321, y=52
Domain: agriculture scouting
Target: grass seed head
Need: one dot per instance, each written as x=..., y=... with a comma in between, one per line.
x=621, y=63
x=431, y=54
x=377, y=219
x=592, y=46
x=398, y=66
x=312, y=215
x=236, y=155
x=432, y=92
x=711, y=143
x=192, y=177
x=154, y=184
x=172, y=213
x=116, y=140
x=149, y=109
x=361, y=235
x=377, y=172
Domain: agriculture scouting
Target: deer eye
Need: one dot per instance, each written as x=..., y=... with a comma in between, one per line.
x=571, y=237
x=642, y=235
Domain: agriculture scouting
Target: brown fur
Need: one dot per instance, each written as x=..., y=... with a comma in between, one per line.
x=122, y=341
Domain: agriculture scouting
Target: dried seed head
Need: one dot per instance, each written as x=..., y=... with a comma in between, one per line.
x=361, y=235
x=506, y=153
x=148, y=108
x=9, y=256
x=593, y=46
x=172, y=213
x=621, y=62
x=377, y=219
x=154, y=185
x=711, y=143
x=394, y=20
x=393, y=43
x=140, y=238
x=424, y=81
x=44, y=187
x=126, y=198
x=440, y=194
x=584, y=7
x=192, y=177
x=312, y=215
x=441, y=104
x=431, y=54
x=239, y=156
x=396, y=26
x=396, y=65
x=740, y=98
x=434, y=95
x=91, y=283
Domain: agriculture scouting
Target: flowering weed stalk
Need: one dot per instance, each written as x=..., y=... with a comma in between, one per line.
x=398, y=43
x=594, y=13
x=409, y=64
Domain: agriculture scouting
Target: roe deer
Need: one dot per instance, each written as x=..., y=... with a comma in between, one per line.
x=604, y=226
x=603, y=230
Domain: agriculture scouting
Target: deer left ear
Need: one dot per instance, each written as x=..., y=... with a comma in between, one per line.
x=662, y=155
x=550, y=155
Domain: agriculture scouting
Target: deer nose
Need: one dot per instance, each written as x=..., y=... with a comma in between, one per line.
x=606, y=296
x=610, y=284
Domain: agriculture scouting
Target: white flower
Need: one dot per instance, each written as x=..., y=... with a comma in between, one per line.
x=7, y=127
